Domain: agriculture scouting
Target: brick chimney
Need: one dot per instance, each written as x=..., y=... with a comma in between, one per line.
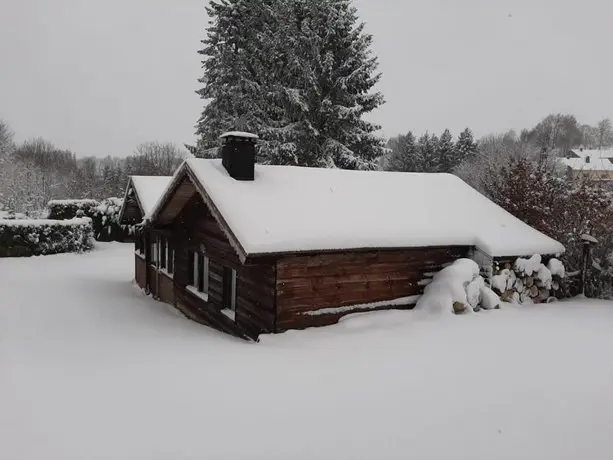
x=238, y=154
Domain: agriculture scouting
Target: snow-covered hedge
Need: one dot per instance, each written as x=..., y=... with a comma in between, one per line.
x=24, y=238
x=69, y=209
x=458, y=288
x=529, y=281
x=104, y=215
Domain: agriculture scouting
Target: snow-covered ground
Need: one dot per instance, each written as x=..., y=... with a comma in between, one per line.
x=91, y=369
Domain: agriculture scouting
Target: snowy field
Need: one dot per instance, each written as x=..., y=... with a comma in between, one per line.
x=91, y=369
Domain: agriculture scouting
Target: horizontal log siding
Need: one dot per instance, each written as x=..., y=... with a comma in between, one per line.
x=307, y=283
x=255, y=298
x=153, y=280
x=140, y=274
x=166, y=289
x=255, y=284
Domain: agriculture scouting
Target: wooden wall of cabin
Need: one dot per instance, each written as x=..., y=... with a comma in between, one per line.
x=255, y=284
x=140, y=271
x=131, y=212
x=166, y=290
x=307, y=283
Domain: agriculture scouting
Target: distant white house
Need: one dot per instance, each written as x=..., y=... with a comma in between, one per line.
x=593, y=163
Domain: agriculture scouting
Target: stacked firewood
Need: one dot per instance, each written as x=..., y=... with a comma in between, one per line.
x=528, y=280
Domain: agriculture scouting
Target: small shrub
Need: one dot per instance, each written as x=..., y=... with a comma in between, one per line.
x=24, y=238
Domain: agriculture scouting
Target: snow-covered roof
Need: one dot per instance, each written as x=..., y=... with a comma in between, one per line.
x=149, y=189
x=593, y=153
x=581, y=164
x=295, y=209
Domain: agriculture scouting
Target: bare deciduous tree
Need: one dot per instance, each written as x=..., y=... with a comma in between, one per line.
x=155, y=159
x=495, y=152
x=605, y=133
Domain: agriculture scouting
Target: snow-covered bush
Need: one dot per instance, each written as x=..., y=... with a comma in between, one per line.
x=24, y=238
x=104, y=216
x=69, y=209
x=458, y=288
x=106, y=221
x=529, y=281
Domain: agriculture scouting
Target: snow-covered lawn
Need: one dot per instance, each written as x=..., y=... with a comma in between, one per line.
x=91, y=369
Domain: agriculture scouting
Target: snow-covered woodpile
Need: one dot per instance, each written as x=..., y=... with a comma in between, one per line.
x=458, y=288
x=529, y=281
x=24, y=237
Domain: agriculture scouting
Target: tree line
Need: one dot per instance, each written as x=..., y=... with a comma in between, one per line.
x=554, y=135
x=429, y=153
x=36, y=171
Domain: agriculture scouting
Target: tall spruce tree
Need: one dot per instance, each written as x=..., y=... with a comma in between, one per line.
x=446, y=153
x=466, y=147
x=299, y=73
x=426, y=153
x=405, y=156
x=431, y=154
x=235, y=83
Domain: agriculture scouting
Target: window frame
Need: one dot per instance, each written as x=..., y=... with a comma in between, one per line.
x=163, y=252
x=154, y=247
x=199, y=274
x=170, y=259
x=229, y=305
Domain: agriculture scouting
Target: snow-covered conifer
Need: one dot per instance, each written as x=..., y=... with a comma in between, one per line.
x=448, y=159
x=466, y=146
x=299, y=73
x=234, y=84
x=405, y=156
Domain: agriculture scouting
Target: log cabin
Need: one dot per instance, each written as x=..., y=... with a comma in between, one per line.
x=142, y=192
x=252, y=249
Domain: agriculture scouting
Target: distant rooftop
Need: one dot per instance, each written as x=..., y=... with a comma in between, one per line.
x=593, y=153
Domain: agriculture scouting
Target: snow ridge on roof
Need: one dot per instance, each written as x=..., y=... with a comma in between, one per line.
x=239, y=134
x=149, y=190
x=293, y=209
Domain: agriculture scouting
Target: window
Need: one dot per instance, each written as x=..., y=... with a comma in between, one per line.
x=163, y=252
x=191, y=278
x=167, y=256
x=229, y=292
x=199, y=275
x=170, y=258
x=154, y=250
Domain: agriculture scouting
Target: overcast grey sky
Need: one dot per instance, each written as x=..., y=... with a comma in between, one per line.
x=100, y=76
